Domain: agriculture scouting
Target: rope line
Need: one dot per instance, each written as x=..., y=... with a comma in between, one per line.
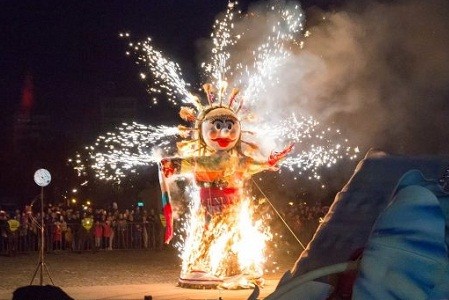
x=279, y=215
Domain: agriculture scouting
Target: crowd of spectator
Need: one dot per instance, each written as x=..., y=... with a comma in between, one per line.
x=87, y=228
x=303, y=218
x=80, y=229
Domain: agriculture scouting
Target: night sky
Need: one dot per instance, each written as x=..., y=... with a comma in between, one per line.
x=72, y=49
x=73, y=53
x=395, y=98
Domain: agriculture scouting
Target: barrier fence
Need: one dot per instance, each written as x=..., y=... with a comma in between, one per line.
x=75, y=237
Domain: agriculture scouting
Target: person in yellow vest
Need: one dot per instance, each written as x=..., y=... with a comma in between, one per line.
x=85, y=234
x=13, y=236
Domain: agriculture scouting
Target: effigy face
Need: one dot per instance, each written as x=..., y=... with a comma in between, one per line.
x=220, y=129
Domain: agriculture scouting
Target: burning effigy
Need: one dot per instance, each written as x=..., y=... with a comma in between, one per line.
x=225, y=244
x=229, y=140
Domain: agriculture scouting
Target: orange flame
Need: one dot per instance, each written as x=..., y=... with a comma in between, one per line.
x=230, y=243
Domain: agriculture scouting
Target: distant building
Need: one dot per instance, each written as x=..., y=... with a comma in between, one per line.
x=31, y=130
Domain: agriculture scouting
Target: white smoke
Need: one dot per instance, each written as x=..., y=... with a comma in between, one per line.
x=386, y=74
x=379, y=71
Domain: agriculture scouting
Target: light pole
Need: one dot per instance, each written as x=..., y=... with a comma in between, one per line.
x=42, y=178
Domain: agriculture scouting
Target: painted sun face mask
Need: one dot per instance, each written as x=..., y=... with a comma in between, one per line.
x=220, y=129
x=216, y=126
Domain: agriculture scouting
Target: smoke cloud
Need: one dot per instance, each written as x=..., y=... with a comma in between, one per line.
x=379, y=71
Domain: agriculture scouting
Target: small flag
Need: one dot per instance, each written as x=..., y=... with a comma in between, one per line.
x=168, y=215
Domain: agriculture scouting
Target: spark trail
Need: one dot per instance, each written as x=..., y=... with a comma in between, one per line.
x=130, y=146
x=118, y=153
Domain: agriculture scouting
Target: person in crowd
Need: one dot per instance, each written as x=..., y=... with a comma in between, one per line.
x=3, y=231
x=48, y=222
x=57, y=236
x=113, y=222
x=85, y=233
x=63, y=225
x=68, y=239
x=137, y=235
x=107, y=234
x=145, y=228
x=23, y=232
x=98, y=233
x=152, y=230
x=75, y=224
x=13, y=234
x=122, y=230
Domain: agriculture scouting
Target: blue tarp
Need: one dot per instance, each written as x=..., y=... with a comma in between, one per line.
x=399, y=217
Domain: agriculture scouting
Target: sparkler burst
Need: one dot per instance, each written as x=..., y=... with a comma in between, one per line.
x=118, y=153
x=318, y=147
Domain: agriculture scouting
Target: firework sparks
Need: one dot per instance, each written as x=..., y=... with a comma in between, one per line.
x=272, y=53
x=222, y=38
x=116, y=154
x=319, y=148
x=167, y=75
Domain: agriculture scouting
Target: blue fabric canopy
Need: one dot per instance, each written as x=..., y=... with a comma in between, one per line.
x=399, y=217
x=406, y=256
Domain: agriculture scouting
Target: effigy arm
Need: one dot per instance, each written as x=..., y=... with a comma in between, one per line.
x=275, y=157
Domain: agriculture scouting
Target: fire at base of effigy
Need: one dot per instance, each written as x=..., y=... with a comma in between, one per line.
x=224, y=250
x=202, y=280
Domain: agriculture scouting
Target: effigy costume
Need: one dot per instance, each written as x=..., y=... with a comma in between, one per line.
x=221, y=170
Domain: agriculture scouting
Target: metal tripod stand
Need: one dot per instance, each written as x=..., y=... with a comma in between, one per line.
x=41, y=264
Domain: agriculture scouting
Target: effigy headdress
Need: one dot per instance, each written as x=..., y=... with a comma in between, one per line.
x=215, y=108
